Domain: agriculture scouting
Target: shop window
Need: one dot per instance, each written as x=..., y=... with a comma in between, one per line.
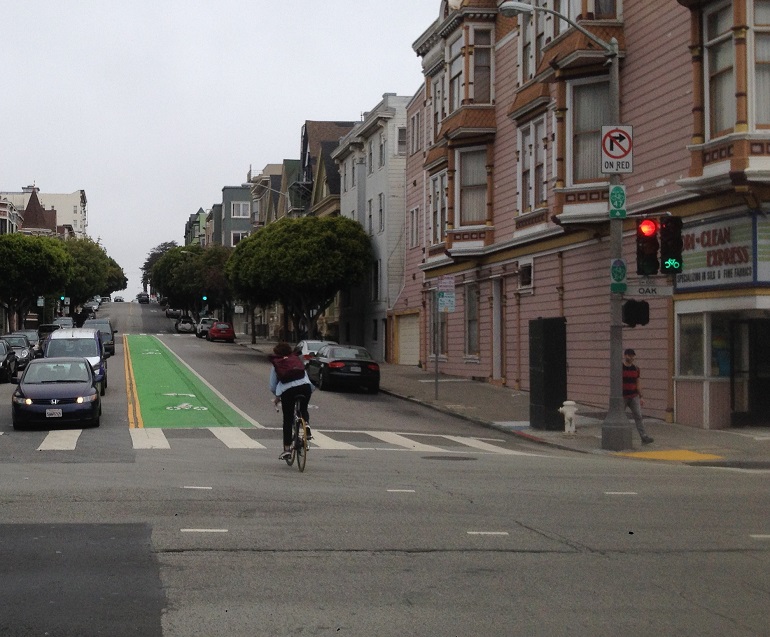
x=691, y=345
x=720, y=345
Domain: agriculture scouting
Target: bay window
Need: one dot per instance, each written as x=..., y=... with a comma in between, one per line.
x=473, y=187
x=720, y=70
x=762, y=63
x=532, y=182
x=590, y=105
x=438, y=207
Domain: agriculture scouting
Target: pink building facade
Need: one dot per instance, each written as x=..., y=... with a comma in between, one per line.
x=507, y=206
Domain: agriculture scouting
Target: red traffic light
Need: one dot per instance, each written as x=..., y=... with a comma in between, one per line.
x=648, y=227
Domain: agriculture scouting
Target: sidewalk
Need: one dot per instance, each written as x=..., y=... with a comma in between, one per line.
x=506, y=409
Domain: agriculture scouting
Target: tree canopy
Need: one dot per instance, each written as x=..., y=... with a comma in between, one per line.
x=152, y=257
x=32, y=266
x=303, y=263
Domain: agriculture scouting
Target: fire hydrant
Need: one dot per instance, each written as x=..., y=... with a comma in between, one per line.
x=568, y=409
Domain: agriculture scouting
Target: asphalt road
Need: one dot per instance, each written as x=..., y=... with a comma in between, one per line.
x=402, y=524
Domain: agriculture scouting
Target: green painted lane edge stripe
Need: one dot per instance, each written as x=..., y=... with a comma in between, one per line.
x=170, y=395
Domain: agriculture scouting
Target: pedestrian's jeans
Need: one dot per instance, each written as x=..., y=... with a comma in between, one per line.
x=635, y=406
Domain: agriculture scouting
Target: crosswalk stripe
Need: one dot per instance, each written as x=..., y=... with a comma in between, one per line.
x=484, y=446
x=403, y=441
x=149, y=439
x=325, y=442
x=65, y=440
x=234, y=438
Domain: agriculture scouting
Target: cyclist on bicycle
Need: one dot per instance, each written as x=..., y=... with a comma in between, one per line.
x=288, y=380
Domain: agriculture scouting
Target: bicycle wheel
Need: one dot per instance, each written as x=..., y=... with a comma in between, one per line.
x=300, y=443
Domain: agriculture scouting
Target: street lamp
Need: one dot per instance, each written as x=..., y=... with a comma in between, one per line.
x=616, y=430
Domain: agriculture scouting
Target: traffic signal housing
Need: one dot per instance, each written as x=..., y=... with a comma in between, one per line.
x=671, y=245
x=636, y=312
x=647, y=247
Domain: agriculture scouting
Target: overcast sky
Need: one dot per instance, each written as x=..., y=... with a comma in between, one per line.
x=152, y=106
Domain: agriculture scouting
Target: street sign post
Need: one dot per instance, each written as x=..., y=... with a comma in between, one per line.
x=617, y=201
x=617, y=149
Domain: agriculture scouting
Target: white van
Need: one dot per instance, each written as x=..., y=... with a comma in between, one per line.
x=80, y=341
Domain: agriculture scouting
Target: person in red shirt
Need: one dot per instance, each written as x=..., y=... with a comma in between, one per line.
x=632, y=393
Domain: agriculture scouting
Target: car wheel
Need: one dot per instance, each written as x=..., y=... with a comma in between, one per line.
x=17, y=425
x=324, y=384
x=373, y=389
x=231, y=340
x=102, y=388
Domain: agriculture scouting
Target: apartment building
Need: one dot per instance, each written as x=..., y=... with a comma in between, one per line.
x=372, y=163
x=507, y=204
x=71, y=208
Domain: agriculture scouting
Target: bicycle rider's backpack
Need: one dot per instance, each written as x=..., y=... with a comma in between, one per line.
x=288, y=368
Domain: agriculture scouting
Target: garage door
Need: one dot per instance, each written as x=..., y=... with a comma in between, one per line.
x=408, y=335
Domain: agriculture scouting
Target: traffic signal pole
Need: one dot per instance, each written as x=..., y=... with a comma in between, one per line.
x=616, y=428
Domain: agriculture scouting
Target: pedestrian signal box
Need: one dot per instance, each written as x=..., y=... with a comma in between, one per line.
x=636, y=312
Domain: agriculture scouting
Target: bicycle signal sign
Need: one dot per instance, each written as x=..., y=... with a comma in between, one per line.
x=617, y=149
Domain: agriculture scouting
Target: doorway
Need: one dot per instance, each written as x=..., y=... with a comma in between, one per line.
x=750, y=372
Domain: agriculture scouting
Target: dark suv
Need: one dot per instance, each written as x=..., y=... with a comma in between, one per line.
x=143, y=297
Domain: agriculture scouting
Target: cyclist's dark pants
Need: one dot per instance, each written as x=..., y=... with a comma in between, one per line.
x=287, y=405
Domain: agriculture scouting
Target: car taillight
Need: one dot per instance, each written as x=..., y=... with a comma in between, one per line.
x=373, y=366
x=336, y=364
x=306, y=357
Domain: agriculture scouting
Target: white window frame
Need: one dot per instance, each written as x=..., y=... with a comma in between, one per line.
x=438, y=106
x=241, y=234
x=455, y=56
x=525, y=281
x=382, y=148
x=415, y=133
x=460, y=214
x=402, y=140
x=414, y=227
x=369, y=216
x=487, y=48
x=719, y=44
x=381, y=210
x=760, y=61
x=594, y=147
x=438, y=207
x=533, y=159
x=240, y=209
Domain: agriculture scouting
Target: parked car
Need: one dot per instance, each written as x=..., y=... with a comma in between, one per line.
x=107, y=331
x=185, y=325
x=344, y=365
x=172, y=312
x=106, y=299
x=221, y=331
x=203, y=326
x=80, y=341
x=31, y=335
x=55, y=390
x=118, y=299
x=307, y=349
x=143, y=297
x=64, y=321
x=22, y=347
x=8, y=362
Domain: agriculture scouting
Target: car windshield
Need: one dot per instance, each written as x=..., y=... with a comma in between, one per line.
x=16, y=341
x=222, y=326
x=70, y=372
x=72, y=347
x=3, y=349
x=349, y=352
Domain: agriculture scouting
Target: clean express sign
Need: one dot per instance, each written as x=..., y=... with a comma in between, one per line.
x=725, y=253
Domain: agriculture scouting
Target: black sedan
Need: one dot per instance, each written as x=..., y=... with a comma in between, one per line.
x=8, y=362
x=344, y=366
x=23, y=348
x=55, y=391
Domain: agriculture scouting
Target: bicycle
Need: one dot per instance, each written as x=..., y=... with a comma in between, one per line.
x=299, y=444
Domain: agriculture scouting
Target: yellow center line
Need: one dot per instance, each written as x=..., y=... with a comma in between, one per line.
x=134, y=414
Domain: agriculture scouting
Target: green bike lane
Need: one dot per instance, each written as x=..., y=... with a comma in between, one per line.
x=164, y=392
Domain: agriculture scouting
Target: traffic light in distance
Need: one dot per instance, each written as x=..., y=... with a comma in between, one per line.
x=61, y=298
x=647, y=247
x=205, y=298
x=670, y=244
x=636, y=312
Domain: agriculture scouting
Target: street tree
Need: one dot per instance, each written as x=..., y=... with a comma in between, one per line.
x=302, y=263
x=152, y=257
x=32, y=267
x=184, y=276
x=116, y=278
x=89, y=276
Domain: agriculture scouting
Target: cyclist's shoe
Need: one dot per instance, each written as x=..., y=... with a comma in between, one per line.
x=286, y=455
x=308, y=433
